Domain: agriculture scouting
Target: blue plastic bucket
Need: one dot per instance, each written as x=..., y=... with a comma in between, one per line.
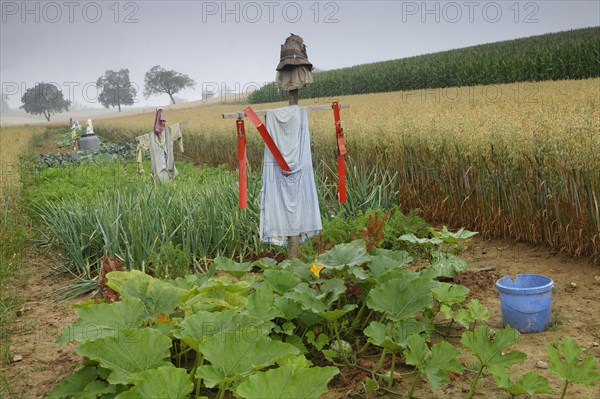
x=526, y=302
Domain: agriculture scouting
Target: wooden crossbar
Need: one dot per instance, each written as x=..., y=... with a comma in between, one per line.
x=242, y=114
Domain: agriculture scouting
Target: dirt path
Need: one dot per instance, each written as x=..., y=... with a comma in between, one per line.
x=38, y=362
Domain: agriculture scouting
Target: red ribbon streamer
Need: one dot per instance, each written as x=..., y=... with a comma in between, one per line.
x=342, y=178
x=267, y=139
x=339, y=132
x=243, y=171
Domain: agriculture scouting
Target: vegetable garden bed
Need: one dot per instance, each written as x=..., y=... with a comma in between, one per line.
x=357, y=321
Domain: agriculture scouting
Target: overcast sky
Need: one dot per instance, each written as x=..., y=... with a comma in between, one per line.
x=72, y=43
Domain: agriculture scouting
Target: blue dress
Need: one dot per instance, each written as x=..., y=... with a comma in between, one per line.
x=289, y=205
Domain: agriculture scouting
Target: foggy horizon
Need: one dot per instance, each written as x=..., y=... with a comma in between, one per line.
x=236, y=44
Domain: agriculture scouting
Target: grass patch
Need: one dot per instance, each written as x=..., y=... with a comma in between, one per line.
x=557, y=321
x=13, y=236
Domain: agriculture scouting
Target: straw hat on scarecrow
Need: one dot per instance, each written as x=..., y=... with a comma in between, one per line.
x=294, y=70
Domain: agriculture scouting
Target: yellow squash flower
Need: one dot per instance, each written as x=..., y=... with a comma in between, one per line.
x=316, y=270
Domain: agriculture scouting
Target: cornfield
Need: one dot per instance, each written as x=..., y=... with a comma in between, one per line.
x=513, y=160
x=555, y=56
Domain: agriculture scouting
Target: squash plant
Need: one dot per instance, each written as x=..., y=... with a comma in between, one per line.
x=253, y=329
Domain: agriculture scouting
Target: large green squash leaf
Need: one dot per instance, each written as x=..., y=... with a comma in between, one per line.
x=102, y=389
x=158, y=297
x=377, y=334
x=73, y=384
x=405, y=274
x=308, y=319
x=333, y=315
x=384, y=260
x=166, y=382
x=288, y=307
x=196, y=327
x=331, y=289
x=319, y=302
x=448, y=265
x=379, y=264
x=286, y=382
x=393, y=336
x=307, y=298
x=571, y=369
x=471, y=313
x=342, y=255
x=425, y=242
x=217, y=295
x=299, y=268
x=281, y=280
x=401, y=298
x=84, y=384
x=452, y=238
x=490, y=347
x=236, y=354
x=402, y=257
x=434, y=363
x=227, y=265
x=450, y=294
x=104, y=320
x=130, y=352
x=261, y=304
x=529, y=384
x=359, y=273
x=265, y=263
x=188, y=281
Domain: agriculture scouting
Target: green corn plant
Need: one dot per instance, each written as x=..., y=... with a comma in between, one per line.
x=528, y=59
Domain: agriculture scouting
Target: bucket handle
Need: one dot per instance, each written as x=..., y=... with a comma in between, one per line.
x=520, y=311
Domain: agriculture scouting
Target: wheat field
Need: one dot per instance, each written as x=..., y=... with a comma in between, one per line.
x=513, y=160
x=520, y=117
x=13, y=141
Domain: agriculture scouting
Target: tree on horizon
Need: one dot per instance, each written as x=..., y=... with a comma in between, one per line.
x=161, y=81
x=116, y=89
x=44, y=99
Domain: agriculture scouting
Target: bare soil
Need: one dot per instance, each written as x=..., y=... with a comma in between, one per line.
x=50, y=145
x=37, y=361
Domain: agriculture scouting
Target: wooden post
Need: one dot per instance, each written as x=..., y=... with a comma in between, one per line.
x=293, y=241
x=293, y=97
x=293, y=247
x=262, y=112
